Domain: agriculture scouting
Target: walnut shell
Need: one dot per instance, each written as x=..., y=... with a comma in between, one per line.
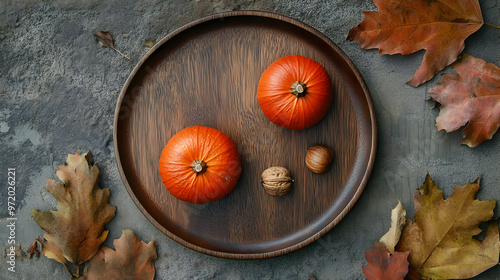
x=319, y=158
x=277, y=181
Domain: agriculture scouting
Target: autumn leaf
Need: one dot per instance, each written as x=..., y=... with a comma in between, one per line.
x=407, y=26
x=14, y=252
x=384, y=266
x=133, y=259
x=106, y=40
x=398, y=220
x=149, y=43
x=470, y=98
x=32, y=250
x=441, y=241
x=75, y=230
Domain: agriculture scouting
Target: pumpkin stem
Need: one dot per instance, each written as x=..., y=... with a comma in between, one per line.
x=198, y=166
x=298, y=89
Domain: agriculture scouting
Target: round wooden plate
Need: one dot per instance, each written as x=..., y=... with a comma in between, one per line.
x=206, y=73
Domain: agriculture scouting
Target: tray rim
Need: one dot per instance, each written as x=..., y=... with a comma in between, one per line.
x=304, y=242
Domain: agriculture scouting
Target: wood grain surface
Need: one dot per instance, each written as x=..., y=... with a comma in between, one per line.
x=206, y=73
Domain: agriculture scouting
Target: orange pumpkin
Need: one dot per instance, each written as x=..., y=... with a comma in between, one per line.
x=295, y=92
x=200, y=164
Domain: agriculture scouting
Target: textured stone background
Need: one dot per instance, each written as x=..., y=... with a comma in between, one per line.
x=58, y=91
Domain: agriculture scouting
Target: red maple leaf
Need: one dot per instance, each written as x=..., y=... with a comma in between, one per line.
x=472, y=97
x=383, y=266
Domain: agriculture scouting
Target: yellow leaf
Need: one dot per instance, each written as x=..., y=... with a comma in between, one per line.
x=398, y=220
x=441, y=240
x=149, y=43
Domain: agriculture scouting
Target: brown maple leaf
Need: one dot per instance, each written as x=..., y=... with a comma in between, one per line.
x=133, y=259
x=384, y=266
x=473, y=97
x=407, y=26
x=441, y=239
x=75, y=230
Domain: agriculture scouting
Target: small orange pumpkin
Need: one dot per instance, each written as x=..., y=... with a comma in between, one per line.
x=295, y=92
x=200, y=164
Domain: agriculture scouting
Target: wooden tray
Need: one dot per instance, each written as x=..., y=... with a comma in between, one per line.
x=206, y=73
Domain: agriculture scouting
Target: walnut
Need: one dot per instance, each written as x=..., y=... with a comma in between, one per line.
x=277, y=181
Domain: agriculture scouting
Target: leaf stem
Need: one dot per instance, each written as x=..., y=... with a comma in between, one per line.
x=78, y=271
x=491, y=25
x=121, y=53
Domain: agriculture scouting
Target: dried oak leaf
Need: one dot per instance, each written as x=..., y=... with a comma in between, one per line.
x=473, y=97
x=75, y=230
x=440, y=240
x=384, y=266
x=133, y=259
x=405, y=27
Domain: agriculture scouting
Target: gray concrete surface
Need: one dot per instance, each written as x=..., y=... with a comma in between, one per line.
x=58, y=91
